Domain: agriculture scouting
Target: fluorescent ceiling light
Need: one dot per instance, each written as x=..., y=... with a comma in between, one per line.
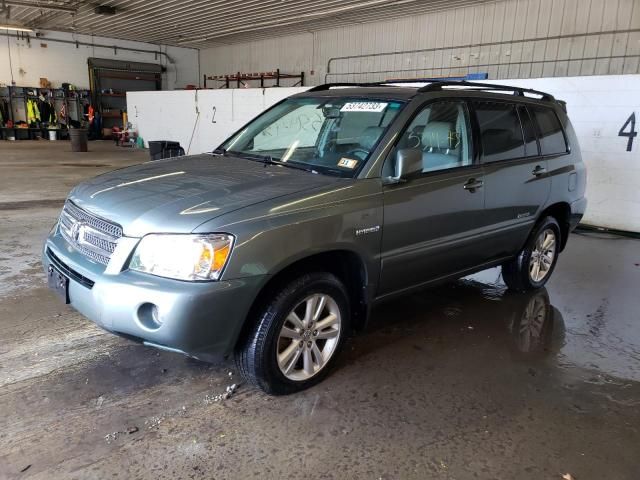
x=17, y=29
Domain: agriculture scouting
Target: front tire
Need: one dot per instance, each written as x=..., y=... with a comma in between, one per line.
x=535, y=263
x=297, y=335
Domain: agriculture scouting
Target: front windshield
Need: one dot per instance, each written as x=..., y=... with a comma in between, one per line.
x=333, y=136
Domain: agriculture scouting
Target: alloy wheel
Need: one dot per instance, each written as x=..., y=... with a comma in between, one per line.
x=309, y=337
x=542, y=256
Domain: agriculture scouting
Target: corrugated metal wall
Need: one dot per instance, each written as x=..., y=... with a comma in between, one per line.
x=508, y=39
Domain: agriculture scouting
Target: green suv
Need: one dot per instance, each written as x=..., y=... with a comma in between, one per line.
x=274, y=247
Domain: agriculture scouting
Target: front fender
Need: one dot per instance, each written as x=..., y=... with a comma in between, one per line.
x=272, y=235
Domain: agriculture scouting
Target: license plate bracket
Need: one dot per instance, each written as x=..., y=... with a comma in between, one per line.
x=59, y=284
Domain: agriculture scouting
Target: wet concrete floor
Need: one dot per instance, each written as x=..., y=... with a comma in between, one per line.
x=461, y=382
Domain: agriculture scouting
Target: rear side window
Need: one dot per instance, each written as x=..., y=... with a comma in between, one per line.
x=500, y=131
x=552, y=139
x=530, y=142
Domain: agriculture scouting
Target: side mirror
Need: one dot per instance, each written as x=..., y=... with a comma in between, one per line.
x=408, y=162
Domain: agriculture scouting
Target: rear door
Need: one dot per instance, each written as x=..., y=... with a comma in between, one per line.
x=516, y=181
x=432, y=220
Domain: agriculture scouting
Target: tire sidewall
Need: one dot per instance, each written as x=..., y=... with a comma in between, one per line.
x=276, y=314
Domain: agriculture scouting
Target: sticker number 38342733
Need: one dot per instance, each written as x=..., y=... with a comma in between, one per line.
x=631, y=133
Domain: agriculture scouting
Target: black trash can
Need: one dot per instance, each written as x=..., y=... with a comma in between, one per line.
x=159, y=149
x=78, y=138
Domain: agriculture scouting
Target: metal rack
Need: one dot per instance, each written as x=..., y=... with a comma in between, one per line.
x=240, y=79
x=17, y=97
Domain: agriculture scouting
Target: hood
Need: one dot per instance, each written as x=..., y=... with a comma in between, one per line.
x=176, y=195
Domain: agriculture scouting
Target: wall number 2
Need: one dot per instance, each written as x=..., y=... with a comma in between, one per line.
x=631, y=134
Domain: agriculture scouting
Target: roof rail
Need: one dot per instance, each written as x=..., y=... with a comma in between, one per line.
x=383, y=83
x=327, y=86
x=436, y=86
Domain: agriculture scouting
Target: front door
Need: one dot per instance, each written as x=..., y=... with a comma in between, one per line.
x=432, y=219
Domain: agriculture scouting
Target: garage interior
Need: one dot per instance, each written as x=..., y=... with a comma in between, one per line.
x=463, y=380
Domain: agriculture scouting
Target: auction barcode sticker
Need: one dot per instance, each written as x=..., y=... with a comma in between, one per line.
x=364, y=107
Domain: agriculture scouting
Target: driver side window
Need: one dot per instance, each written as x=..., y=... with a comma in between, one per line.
x=442, y=134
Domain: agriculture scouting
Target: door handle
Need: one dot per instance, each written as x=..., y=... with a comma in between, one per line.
x=472, y=184
x=539, y=170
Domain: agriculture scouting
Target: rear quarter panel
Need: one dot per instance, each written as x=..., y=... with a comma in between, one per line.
x=568, y=173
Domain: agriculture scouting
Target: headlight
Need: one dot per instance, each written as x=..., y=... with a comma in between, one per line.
x=183, y=257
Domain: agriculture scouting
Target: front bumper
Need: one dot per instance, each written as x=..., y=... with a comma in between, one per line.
x=200, y=319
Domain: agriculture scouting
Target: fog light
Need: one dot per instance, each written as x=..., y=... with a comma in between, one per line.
x=149, y=316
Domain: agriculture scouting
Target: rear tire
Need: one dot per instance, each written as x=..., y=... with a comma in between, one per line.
x=297, y=335
x=535, y=263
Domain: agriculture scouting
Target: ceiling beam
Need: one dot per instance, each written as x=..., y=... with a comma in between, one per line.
x=42, y=6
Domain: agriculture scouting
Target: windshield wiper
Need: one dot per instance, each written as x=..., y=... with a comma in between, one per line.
x=266, y=159
x=291, y=165
x=269, y=160
x=248, y=156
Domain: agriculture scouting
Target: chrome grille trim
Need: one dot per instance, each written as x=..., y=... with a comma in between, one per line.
x=92, y=236
x=98, y=223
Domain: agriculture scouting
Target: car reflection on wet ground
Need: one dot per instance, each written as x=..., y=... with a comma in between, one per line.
x=461, y=381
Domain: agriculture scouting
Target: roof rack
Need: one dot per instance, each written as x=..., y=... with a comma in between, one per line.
x=437, y=86
x=382, y=83
x=434, y=86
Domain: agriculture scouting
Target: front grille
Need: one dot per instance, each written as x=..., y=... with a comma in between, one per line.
x=92, y=236
x=105, y=245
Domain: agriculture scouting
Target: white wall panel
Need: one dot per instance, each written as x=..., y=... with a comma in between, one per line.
x=199, y=119
x=163, y=115
x=218, y=119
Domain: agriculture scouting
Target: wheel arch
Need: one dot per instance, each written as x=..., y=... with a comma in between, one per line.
x=345, y=264
x=561, y=211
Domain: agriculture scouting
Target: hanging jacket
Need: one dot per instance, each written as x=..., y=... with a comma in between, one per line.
x=52, y=112
x=63, y=114
x=47, y=111
x=33, y=113
x=4, y=111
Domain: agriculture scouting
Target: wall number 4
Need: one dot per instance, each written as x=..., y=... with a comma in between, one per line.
x=631, y=134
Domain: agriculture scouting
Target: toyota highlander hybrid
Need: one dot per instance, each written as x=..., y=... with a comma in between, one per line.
x=274, y=247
